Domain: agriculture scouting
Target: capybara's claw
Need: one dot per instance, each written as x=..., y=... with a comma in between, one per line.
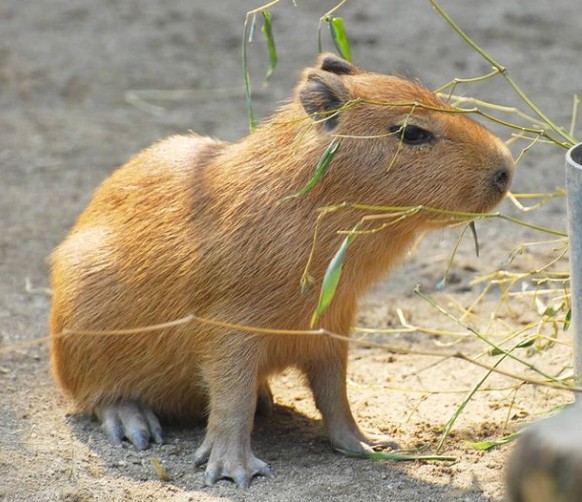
x=350, y=441
x=242, y=480
x=211, y=475
x=202, y=454
x=266, y=471
x=240, y=473
x=234, y=462
x=131, y=420
x=381, y=442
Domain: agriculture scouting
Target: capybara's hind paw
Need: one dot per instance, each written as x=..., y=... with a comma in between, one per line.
x=131, y=420
x=231, y=462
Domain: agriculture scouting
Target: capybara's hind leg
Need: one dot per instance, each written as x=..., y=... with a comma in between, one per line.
x=131, y=420
x=264, y=400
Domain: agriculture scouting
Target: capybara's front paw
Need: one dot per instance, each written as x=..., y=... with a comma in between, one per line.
x=380, y=442
x=352, y=442
x=131, y=420
x=233, y=461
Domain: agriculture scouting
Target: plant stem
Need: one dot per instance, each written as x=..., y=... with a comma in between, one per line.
x=501, y=69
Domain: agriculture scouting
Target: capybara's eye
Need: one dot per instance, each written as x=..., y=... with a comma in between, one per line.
x=412, y=135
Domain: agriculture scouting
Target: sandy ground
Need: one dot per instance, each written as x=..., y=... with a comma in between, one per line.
x=65, y=71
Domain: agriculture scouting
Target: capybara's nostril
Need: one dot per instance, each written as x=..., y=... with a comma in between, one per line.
x=501, y=179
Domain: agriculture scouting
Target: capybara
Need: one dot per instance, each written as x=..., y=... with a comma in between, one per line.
x=197, y=225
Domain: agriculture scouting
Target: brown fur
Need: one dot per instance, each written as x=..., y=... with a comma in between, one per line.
x=192, y=225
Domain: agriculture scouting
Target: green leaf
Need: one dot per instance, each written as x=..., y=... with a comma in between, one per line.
x=339, y=37
x=332, y=277
x=251, y=36
x=380, y=455
x=267, y=30
x=486, y=445
x=522, y=345
x=320, y=170
x=567, y=320
x=247, y=39
x=475, y=238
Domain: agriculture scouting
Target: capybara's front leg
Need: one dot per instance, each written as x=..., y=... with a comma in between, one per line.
x=226, y=449
x=327, y=378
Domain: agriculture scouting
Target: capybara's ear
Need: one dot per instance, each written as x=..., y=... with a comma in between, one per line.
x=334, y=64
x=322, y=93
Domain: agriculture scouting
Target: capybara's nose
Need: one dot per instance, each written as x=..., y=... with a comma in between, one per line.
x=501, y=178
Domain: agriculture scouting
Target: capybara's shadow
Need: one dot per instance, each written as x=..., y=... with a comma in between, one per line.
x=286, y=437
x=296, y=446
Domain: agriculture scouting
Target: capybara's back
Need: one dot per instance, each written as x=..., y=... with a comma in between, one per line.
x=196, y=226
x=140, y=220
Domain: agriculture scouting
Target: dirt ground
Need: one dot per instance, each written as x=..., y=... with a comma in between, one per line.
x=67, y=121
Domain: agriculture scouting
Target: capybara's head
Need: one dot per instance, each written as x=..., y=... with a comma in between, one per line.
x=400, y=144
